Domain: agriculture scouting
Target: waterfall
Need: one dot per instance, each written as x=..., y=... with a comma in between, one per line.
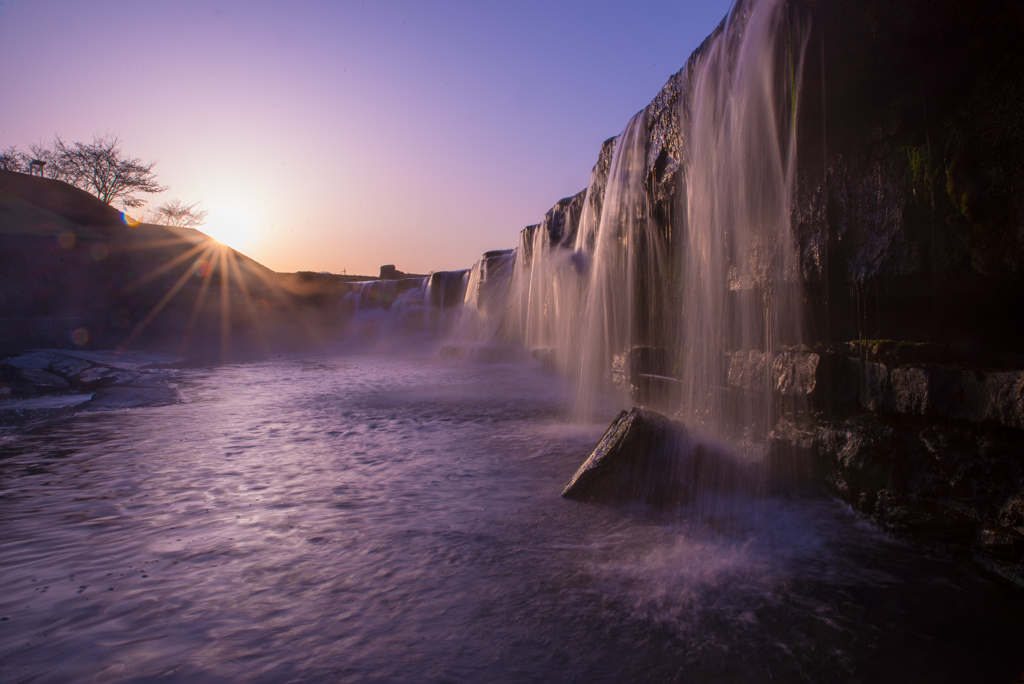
x=707, y=297
x=696, y=288
x=482, y=317
x=627, y=267
x=388, y=311
x=581, y=297
x=739, y=268
x=444, y=297
x=547, y=290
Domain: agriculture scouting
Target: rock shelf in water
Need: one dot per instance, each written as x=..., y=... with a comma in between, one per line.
x=46, y=384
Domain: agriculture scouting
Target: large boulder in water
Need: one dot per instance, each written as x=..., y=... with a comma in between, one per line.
x=645, y=457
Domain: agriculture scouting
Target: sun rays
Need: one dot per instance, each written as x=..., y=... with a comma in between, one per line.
x=224, y=294
x=213, y=264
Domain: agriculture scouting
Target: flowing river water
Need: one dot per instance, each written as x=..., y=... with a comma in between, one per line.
x=368, y=518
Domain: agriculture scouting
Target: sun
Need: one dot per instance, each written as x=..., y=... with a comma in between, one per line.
x=232, y=225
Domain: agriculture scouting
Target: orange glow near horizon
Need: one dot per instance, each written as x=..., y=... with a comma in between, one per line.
x=230, y=224
x=297, y=136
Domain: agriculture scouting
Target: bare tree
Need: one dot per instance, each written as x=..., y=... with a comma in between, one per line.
x=100, y=168
x=12, y=159
x=177, y=213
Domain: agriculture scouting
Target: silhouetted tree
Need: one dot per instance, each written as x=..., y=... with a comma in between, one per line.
x=177, y=213
x=100, y=168
x=12, y=159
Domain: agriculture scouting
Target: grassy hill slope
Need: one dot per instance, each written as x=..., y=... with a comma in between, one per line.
x=76, y=273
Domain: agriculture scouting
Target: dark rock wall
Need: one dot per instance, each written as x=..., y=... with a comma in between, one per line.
x=911, y=151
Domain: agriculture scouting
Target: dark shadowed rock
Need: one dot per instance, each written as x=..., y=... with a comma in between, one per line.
x=35, y=408
x=70, y=368
x=936, y=390
x=958, y=483
x=645, y=457
x=37, y=359
x=95, y=377
x=650, y=374
x=35, y=381
x=650, y=361
x=790, y=463
x=87, y=381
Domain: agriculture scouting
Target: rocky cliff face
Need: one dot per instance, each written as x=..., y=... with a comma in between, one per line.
x=908, y=219
x=908, y=206
x=911, y=170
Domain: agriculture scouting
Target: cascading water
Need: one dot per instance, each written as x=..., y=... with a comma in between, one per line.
x=588, y=302
x=740, y=288
x=444, y=298
x=548, y=285
x=627, y=267
x=478, y=325
x=702, y=296
x=712, y=295
x=387, y=310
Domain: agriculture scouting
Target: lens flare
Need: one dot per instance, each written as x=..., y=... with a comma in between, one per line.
x=80, y=336
x=128, y=220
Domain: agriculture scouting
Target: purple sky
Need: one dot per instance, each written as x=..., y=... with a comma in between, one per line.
x=333, y=136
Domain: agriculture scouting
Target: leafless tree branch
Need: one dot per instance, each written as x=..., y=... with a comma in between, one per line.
x=177, y=213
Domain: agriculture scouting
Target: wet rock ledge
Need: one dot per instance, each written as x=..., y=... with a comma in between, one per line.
x=925, y=443
x=44, y=384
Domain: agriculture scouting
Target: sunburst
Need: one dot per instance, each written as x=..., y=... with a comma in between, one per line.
x=210, y=260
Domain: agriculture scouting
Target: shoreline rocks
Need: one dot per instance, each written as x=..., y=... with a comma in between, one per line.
x=47, y=384
x=953, y=483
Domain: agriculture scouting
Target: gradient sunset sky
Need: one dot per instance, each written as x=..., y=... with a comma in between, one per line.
x=339, y=136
